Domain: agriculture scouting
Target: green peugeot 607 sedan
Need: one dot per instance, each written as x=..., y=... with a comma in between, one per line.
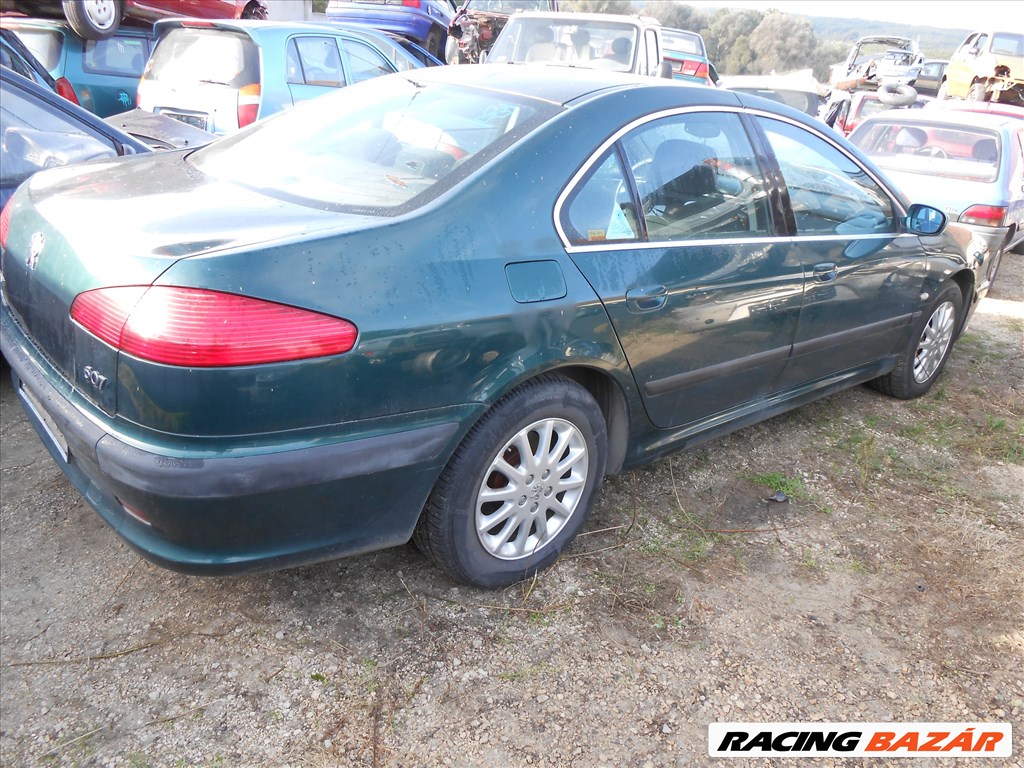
x=443, y=305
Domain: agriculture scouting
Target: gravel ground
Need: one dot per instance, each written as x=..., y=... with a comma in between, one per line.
x=887, y=588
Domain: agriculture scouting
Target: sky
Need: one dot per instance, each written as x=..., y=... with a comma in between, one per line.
x=948, y=14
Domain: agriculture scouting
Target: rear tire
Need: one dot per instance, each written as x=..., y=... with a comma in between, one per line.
x=925, y=356
x=93, y=19
x=519, y=487
x=978, y=93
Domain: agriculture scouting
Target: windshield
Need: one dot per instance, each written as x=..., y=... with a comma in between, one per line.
x=379, y=147
x=956, y=152
x=566, y=40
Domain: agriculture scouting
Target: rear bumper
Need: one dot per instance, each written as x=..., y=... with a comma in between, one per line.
x=255, y=510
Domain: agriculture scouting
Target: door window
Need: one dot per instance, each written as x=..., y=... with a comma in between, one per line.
x=602, y=207
x=829, y=193
x=697, y=178
x=365, y=62
x=314, y=61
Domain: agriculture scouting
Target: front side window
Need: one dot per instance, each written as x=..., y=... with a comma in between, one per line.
x=697, y=178
x=829, y=193
x=376, y=148
x=364, y=62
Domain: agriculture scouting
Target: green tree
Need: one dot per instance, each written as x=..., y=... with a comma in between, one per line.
x=727, y=38
x=676, y=15
x=782, y=43
x=597, y=6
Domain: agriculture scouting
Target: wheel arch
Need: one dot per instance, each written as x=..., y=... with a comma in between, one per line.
x=964, y=280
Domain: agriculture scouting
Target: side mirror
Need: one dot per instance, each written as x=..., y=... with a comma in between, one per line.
x=665, y=70
x=925, y=220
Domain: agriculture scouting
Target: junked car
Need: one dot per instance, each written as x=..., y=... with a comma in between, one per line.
x=477, y=24
x=685, y=51
x=423, y=21
x=103, y=75
x=988, y=66
x=443, y=305
x=41, y=129
x=594, y=41
x=220, y=76
x=101, y=19
x=878, y=60
x=969, y=165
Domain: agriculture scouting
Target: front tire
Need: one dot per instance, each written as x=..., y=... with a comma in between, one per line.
x=435, y=43
x=93, y=19
x=255, y=10
x=921, y=363
x=519, y=487
x=978, y=93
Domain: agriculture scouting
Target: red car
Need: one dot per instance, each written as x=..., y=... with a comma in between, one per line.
x=99, y=19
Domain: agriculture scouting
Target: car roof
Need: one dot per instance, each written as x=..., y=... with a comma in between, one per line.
x=556, y=84
x=25, y=22
x=568, y=17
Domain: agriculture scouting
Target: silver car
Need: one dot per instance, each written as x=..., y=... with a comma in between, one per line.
x=970, y=165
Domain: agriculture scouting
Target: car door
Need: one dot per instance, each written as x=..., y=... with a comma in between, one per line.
x=960, y=70
x=672, y=229
x=313, y=66
x=863, y=276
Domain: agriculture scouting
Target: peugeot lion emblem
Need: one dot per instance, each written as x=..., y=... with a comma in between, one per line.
x=35, y=247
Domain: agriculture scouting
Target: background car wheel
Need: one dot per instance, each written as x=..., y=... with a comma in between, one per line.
x=93, y=19
x=920, y=365
x=943, y=92
x=255, y=11
x=519, y=487
x=978, y=92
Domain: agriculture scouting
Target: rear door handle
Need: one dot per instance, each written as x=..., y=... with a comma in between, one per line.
x=646, y=299
x=825, y=273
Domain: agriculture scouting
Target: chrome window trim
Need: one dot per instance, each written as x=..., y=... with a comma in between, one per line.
x=620, y=245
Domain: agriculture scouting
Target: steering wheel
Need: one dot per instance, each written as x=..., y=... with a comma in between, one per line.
x=932, y=151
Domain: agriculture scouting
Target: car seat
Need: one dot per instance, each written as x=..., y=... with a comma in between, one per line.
x=986, y=151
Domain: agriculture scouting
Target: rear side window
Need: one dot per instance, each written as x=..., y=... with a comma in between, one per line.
x=117, y=56
x=829, y=193
x=187, y=55
x=46, y=45
x=315, y=61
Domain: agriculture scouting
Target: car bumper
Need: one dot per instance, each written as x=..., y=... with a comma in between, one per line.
x=248, y=512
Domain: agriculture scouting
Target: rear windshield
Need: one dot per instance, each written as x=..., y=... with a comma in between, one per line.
x=123, y=55
x=682, y=42
x=956, y=152
x=379, y=148
x=46, y=45
x=205, y=55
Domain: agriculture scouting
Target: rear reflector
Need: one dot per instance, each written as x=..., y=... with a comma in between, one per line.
x=205, y=329
x=984, y=215
x=65, y=89
x=248, y=104
x=5, y=224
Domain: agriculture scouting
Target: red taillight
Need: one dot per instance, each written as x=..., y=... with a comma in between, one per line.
x=984, y=215
x=411, y=3
x=692, y=68
x=248, y=104
x=205, y=329
x=5, y=224
x=65, y=89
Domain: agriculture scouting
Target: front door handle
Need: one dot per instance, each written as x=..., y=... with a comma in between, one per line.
x=825, y=273
x=646, y=299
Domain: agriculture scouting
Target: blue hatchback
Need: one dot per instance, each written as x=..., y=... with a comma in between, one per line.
x=424, y=21
x=103, y=73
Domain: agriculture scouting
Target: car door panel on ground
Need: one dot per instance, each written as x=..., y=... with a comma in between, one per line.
x=707, y=285
x=859, y=294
